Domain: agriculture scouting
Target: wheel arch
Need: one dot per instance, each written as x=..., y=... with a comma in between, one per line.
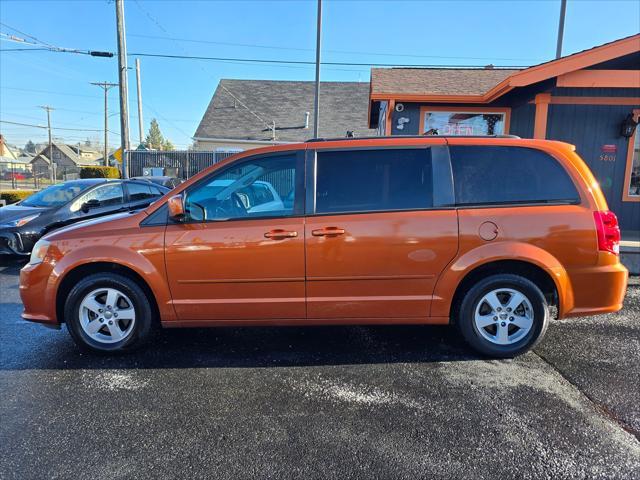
x=72, y=277
x=526, y=260
x=528, y=270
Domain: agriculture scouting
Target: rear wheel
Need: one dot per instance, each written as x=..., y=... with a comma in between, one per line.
x=503, y=315
x=107, y=312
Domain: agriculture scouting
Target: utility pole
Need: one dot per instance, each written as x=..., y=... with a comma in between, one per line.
x=106, y=87
x=140, y=122
x=123, y=82
x=316, y=119
x=563, y=11
x=51, y=167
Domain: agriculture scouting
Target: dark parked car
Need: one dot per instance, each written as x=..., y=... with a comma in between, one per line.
x=169, y=182
x=23, y=223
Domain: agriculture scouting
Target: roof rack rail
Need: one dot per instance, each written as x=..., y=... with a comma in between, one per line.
x=334, y=139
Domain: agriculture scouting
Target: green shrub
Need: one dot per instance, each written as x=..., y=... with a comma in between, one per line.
x=99, y=172
x=13, y=196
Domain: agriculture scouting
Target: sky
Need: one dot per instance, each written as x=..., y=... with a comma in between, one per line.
x=177, y=91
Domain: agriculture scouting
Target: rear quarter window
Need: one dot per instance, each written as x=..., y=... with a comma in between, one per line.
x=504, y=175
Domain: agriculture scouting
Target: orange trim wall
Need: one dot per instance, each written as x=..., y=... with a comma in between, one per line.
x=390, y=108
x=531, y=75
x=542, y=101
x=627, y=172
x=594, y=101
x=600, y=78
x=505, y=110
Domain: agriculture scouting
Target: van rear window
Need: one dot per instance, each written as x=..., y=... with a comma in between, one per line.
x=504, y=175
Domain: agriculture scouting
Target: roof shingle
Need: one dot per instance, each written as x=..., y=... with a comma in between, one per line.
x=343, y=106
x=436, y=81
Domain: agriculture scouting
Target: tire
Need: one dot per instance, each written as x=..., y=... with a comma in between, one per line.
x=489, y=300
x=97, y=328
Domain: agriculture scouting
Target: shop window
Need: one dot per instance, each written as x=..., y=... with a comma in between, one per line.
x=464, y=123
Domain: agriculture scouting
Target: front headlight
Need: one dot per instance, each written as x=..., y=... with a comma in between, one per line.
x=39, y=252
x=22, y=221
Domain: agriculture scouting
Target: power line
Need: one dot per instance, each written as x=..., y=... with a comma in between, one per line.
x=40, y=43
x=25, y=34
x=38, y=118
x=350, y=52
x=291, y=62
x=274, y=61
x=48, y=91
x=240, y=102
x=54, y=128
x=309, y=62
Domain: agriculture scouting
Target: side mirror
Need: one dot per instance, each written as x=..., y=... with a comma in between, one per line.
x=176, y=207
x=86, y=206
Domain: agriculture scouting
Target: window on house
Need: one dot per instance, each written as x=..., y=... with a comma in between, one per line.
x=464, y=123
x=634, y=173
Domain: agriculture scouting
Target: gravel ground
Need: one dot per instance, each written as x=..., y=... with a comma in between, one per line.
x=320, y=402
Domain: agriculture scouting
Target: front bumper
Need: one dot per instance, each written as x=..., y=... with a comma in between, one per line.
x=14, y=242
x=37, y=293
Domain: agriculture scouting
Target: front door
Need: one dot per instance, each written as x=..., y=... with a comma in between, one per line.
x=375, y=242
x=239, y=254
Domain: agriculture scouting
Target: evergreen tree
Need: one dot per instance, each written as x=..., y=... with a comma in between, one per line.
x=30, y=147
x=154, y=139
x=167, y=145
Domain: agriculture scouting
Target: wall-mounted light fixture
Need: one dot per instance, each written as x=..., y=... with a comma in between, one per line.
x=628, y=126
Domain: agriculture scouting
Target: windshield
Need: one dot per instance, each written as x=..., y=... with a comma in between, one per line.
x=55, y=195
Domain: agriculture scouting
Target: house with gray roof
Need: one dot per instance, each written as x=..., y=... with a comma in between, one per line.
x=62, y=155
x=246, y=114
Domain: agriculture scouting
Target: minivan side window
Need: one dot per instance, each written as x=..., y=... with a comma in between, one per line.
x=263, y=187
x=373, y=180
x=485, y=175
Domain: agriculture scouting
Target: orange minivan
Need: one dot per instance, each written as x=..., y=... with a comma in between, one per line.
x=492, y=234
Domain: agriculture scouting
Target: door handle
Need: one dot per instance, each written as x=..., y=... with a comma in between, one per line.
x=327, y=232
x=279, y=234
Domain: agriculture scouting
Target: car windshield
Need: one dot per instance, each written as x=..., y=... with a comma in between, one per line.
x=55, y=195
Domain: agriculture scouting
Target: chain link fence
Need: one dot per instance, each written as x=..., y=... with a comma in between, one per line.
x=24, y=176
x=181, y=164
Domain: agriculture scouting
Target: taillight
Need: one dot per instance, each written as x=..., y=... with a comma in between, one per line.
x=608, y=231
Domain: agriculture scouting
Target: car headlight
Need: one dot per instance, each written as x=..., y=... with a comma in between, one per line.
x=21, y=221
x=39, y=251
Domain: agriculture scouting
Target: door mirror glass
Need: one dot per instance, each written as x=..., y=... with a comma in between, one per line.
x=176, y=208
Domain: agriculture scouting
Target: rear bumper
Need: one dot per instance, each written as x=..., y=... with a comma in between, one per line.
x=598, y=289
x=37, y=294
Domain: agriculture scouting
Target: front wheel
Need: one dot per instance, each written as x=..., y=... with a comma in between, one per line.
x=503, y=315
x=107, y=312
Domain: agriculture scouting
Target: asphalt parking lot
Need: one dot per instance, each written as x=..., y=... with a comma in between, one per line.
x=320, y=402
